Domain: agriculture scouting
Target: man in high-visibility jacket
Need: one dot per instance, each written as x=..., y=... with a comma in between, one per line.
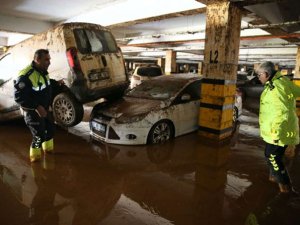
x=278, y=121
x=33, y=92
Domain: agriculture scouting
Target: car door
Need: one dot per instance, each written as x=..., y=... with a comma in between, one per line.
x=187, y=111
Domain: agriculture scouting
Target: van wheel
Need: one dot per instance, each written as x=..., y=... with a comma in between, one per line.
x=67, y=111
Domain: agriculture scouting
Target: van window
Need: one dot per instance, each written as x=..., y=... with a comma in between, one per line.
x=92, y=41
x=7, y=68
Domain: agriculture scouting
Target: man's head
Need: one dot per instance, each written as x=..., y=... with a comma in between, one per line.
x=42, y=59
x=265, y=71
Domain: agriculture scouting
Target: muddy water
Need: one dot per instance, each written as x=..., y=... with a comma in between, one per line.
x=186, y=181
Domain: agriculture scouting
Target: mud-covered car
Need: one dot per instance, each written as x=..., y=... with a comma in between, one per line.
x=84, y=55
x=153, y=112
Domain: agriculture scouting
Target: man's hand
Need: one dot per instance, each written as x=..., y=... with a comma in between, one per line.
x=41, y=111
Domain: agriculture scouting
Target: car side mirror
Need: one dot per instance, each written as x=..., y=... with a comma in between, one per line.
x=185, y=97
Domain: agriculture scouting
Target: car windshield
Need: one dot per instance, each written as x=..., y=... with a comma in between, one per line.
x=157, y=89
x=91, y=41
x=149, y=71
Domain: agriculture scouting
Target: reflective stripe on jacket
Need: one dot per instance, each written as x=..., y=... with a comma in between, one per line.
x=33, y=88
x=277, y=117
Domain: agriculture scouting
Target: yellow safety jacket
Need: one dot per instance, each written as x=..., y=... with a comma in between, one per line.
x=33, y=88
x=277, y=117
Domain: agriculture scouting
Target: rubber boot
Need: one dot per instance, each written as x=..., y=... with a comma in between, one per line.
x=48, y=146
x=35, y=154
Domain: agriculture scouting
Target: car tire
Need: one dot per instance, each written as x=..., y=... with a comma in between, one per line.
x=235, y=114
x=160, y=132
x=67, y=111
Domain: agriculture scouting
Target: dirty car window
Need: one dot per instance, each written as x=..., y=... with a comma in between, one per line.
x=91, y=41
x=157, y=90
x=149, y=71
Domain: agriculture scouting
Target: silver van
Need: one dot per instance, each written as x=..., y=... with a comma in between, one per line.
x=84, y=55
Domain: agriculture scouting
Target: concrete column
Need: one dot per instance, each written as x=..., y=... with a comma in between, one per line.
x=186, y=68
x=200, y=68
x=161, y=62
x=127, y=65
x=170, y=66
x=223, y=25
x=297, y=68
x=297, y=80
x=255, y=66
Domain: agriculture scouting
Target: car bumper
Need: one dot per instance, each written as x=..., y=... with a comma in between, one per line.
x=125, y=134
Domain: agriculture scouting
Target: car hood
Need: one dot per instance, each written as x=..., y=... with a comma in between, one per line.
x=128, y=109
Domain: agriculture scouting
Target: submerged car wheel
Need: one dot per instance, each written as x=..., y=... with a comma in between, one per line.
x=160, y=132
x=67, y=110
x=235, y=114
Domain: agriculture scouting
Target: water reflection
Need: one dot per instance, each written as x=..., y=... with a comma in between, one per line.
x=186, y=181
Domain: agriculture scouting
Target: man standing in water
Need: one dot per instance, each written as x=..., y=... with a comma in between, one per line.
x=278, y=121
x=33, y=92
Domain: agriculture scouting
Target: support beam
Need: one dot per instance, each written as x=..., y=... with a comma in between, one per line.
x=23, y=25
x=159, y=18
x=223, y=24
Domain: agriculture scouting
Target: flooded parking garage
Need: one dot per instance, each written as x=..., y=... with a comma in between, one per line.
x=185, y=181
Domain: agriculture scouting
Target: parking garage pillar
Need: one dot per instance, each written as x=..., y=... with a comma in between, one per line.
x=297, y=68
x=223, y=24
x=200, y=68
x=161, y=63
x=297, y=80
x=170, y=66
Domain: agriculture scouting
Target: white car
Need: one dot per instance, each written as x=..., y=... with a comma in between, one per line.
x=153, y=112
x=144, y=72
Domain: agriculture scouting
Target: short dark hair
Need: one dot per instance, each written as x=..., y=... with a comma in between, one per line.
x=40, y=52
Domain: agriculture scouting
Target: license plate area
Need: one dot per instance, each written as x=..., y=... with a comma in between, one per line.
x=99, y=128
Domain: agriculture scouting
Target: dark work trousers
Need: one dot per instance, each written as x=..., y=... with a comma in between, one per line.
x=274, y=155
x=42, y=129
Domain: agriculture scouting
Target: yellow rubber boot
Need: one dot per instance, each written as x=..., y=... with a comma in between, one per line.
x=48, y=146
x=35, y=154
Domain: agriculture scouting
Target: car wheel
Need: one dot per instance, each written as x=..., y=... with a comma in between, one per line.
x=235, y=114
x=160, y=132
x=67, y=111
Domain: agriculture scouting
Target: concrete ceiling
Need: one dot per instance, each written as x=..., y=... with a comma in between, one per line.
x=146, y=29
